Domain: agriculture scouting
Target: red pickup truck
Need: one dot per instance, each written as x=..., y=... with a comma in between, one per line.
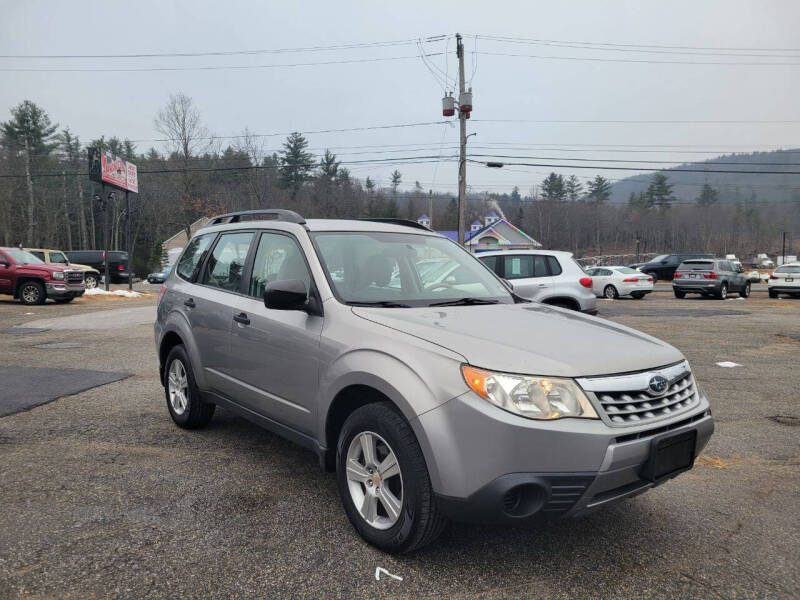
x=32, y=281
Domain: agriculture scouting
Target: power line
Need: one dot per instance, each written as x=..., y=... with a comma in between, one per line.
x=643, y=61
x=206, y=68
x=623, y=160
x=642, y=121
x=607, y=168
x=745, y=49
x=344, y=46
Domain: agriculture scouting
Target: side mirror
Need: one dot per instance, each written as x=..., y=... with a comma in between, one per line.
x=289, y=294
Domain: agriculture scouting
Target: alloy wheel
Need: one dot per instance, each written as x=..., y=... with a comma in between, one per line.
x=374, y=480
x=30, y=293
x=178, y=386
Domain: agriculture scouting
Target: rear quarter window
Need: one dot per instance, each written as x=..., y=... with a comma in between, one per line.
x=192, y=256
x=554, y=265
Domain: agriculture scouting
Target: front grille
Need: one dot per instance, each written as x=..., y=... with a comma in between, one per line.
x=74, y=276
x=636, y=407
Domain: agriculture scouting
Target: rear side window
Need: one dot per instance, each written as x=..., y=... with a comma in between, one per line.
x=192, y=256
x=39, y=255
x=226, y=263
x=57, y=257
x=555, y=267
x=490, y=261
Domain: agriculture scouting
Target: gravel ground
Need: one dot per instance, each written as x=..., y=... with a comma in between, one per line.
x=103, y=497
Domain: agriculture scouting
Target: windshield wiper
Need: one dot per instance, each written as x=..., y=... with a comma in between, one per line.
x=465, y=302
x=380, y=303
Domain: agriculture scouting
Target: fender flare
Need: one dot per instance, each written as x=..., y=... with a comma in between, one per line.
x=177, y=323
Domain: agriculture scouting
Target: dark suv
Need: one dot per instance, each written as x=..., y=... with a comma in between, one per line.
x=664, y=266
x=710, y=278
x=117, y=262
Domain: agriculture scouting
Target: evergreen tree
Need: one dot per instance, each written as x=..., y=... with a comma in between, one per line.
x=708, y=196
x=515, y=197
x=296, y=164
x=397, y=178
x=573, y=188
x=659, y=192
x=639, y=202
x=599, y=190
x=553, y=188
x=30, y=133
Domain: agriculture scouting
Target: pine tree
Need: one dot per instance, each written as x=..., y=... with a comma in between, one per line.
x=573, y=187
x=659, y=192
x=708, y=196
x=553, y=188
x=397, y=178
x=599, y=190
x=296, y=163
x=30, y=133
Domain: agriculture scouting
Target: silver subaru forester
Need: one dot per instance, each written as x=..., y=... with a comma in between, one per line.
x=414, y=373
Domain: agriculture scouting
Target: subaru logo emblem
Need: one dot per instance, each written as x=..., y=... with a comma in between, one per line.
x=657, y=384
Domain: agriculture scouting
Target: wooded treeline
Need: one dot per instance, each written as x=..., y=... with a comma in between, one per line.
x=47, y=200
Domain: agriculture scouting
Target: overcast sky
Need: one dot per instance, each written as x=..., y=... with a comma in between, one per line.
x=389, y=92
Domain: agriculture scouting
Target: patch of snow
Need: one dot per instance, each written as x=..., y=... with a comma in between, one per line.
x=102, y=292
x=728, y=364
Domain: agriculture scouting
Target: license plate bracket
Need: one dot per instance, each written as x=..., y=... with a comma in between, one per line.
x=670, y=454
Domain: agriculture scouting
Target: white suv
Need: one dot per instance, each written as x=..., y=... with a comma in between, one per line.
x=546, y=276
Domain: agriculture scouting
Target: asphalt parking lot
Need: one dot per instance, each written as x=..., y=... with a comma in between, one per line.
x=102, y=496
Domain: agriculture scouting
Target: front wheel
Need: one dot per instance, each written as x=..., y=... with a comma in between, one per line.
x=383, y=481
x=610, y=292
x=745, y=290
x=91, y=282
x=31, y=293
x=183, y=398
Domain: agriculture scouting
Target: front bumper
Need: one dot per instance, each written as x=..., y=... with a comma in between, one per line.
x=488, y=465
x=64, y=290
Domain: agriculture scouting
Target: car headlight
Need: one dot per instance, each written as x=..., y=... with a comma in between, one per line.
x=530, y=396
x=58, y=275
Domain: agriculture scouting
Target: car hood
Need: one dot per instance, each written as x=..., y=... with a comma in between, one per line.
x=41, y=269
x=530, y=338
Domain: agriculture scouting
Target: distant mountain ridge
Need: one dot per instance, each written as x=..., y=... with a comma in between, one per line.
x=732, y=187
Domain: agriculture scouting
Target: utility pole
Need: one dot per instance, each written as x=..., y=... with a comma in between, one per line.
x=783, y=249
x=430, y=208
x=129, y=246
x=462, y=162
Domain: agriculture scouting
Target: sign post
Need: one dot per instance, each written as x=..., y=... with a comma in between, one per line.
x=105, y=168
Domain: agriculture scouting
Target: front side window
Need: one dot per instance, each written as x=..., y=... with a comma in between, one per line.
x=278, y=258
x=193, y=255
x=21, y=257
x=403, y=268
x=226, y=263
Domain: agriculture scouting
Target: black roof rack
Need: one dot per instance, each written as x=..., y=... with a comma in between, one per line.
x=403, y=222
x=271, y=214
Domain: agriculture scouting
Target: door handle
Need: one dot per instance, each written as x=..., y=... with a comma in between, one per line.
x=542, y=285
x=189, y=302
x=242, y=318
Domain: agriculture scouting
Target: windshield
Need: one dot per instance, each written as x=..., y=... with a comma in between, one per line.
x=404, y=269
x=23, y=258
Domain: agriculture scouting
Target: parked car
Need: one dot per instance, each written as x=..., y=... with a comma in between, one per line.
x=33, y=281
x=546, y=276
x=763, y=261
x=159, y=276
x=454, y=399
x=664, y=266
x=785, y=280
x=117, y=262
x=710, y=278
x=91, y=276
x=615, y=281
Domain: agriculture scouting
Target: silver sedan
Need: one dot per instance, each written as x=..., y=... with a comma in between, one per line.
x=612, y=282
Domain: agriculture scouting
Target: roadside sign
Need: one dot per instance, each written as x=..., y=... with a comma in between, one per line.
x=104, y=167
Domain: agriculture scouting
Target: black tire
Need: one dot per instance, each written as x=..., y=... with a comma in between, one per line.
x=420, y=521
x=610, y=292
x=723, y=292
x=773, y=294
x=91, y=281
x=680, y=294
x=32, y=293
x=745, y=290
x=638, y=295
x=197, y=413
x=63, y=300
